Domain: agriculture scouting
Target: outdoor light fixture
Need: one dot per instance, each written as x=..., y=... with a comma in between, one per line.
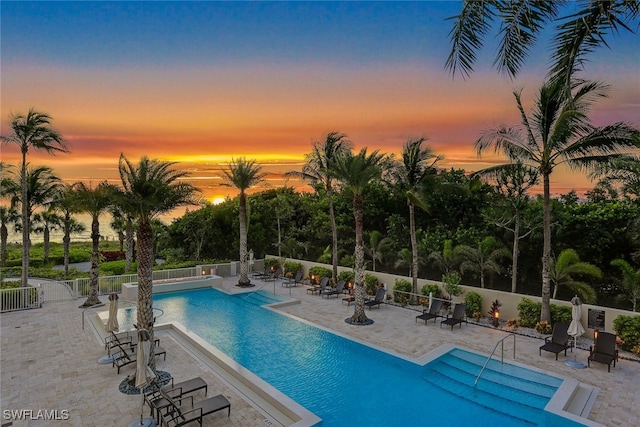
x=496, y=318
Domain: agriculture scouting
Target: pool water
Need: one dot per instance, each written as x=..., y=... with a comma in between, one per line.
x=350, y=384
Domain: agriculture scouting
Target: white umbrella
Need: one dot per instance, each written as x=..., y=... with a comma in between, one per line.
x=144, y=374
x=112, y=326
x=575, y=328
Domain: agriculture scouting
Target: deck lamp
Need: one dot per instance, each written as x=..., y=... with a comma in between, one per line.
x=496, y=318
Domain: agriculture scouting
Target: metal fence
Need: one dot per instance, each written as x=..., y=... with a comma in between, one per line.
x=22, y=298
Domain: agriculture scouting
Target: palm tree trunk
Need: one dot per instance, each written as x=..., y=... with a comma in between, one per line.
x=145, y=283
x=66, y=245
x=24, y=277
x=4, y=235
x=414, y=254
x=514, y=255
x=359, y=315
x=244, y=275
x=334, y=234
x=545, y=312
x=129, y=237
x=45, y=237
x=93, y=299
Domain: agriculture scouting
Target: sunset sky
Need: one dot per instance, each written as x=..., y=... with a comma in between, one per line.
x=202, y=82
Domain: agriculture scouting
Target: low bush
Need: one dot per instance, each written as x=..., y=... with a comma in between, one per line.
x=431, y=288
x=116, y=268
x=628, y=329
x=401, y=285
x=291, y=268
x=473, y=303
x=318, y=273
x=372, y=283
x=529, y=313
x=543, y=327
x=347, y=276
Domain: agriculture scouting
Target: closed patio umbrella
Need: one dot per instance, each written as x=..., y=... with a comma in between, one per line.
x=112, y=326
x=575, y=329
x=144, y=375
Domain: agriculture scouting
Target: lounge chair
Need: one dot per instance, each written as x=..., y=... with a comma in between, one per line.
x=320, y=288
x=558, y=341
x=157, y=403
x=604, y=350
x=275, y=276
x=295, y=281
x=337, y=291
x=128, y=355
x=457, y=317
x=378, y=300
x=181, y=415
x=432, y=313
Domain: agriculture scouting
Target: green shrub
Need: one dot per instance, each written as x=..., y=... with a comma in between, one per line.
x=372, y=283
x=528, y=313
x=451, y=283
x=319, y=273
x=473, y=303
x=431, y=288
x=347, y=276
x=628, y=329
x=271, y=264
x=560, y=314
x=291, y=268
x=116, y=268
x=402, y=285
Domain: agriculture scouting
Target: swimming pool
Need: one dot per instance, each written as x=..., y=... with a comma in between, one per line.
x=350, y=384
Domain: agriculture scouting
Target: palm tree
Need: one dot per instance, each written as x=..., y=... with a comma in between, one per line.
x=404, y=260
x=95, y=202
x=150, y=189
x=447, y=260
x=318, y=170
x=355, y=173
x=482, y=260
x=48, y=221
x=31, y=131
x=630, y=280
x=512, y=182
x=564, y=270
x=625, y=170
x=8, y=215
x=243, y=174
x=67, y=203
x=580, y=32
x=558, y=132
x=418, y=164
x=377, y=247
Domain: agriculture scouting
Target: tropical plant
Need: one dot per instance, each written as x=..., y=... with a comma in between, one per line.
x=31, y=131
x=625, y=170
x=243, y=174
x=564, y=272
x=558, y=132
x=418, y=165
x=45, y=222
x=150, y=189
x=630, y=281
x=401, y=290
x=355, y=173
x=318, y=169
x=451, y=283
x=67, y=203
x=482, y=260
x=95, y=201
x=447, y=260
x=473, y=303
x=377, y=247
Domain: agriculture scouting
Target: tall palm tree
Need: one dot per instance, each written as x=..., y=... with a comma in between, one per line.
x=317, y=170
x=31, y=131
x=482, y=260
x=67, y=203
x=582, y=27
x=512, y=182
x=9, y=189
x=418, y=165
x=149, y=189
x=558, y=132
x=564, y=272
x=243, y=174
x=377, y=247
x=95, y=201
x=447, y=260
x=355, y=173
x=625, y=170
x=48, y=221
x=630, y=280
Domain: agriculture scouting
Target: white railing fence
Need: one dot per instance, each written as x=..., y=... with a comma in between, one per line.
x=22, y=298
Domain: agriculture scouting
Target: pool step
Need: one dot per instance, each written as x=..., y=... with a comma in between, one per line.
x=582, y=400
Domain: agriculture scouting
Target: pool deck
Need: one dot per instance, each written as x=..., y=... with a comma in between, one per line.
x=49, y=362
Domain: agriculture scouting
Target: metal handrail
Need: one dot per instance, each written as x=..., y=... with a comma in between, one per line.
x=501, y=355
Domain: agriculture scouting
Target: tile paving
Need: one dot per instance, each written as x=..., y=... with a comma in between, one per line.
x=49, y=362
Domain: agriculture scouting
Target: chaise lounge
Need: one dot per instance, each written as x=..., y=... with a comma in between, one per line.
x=432, y=313
x=337, y=291
x=378, y=300
x=558, y=341
x=157, y=403
x=457, y=318
x=604, y=350
x=181, y=415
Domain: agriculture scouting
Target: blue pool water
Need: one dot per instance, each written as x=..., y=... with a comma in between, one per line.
x=350, y=384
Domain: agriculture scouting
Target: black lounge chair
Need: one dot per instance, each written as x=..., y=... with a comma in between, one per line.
x=295, y=281
x=457, y=317
x=337, y=291
x=604, y=350
x=378, y=300
x=320, y=288
x=128, y=355
x=432, y=313
x=181, y=415
x=275, y=276
x=558, y=341
x=157, y=403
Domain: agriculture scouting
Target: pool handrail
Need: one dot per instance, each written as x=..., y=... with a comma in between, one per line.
x=501, y=341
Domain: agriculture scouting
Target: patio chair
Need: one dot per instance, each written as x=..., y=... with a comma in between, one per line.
x=432, y=313
x=181, y=415
x=457, y=317
x=558, y=341
x=275, y=276
x=378, y=300
x=295, y=281
x=128, y=355
x=337, y=291
x=604, y=350
x=320, y=288
x=157, y=403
